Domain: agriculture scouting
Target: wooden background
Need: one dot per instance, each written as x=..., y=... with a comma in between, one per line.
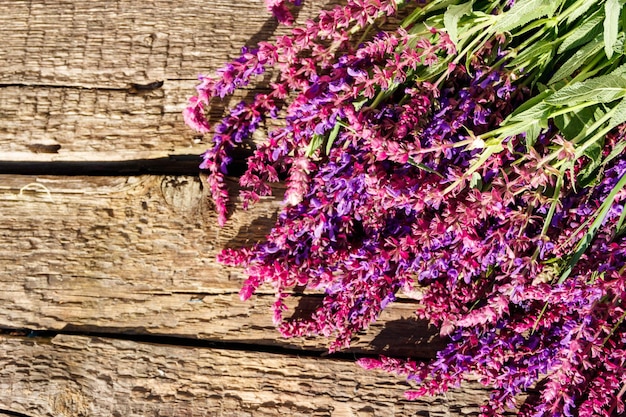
x=111, y=303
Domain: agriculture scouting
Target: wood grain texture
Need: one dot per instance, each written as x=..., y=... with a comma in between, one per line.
x=85, y=80
x=117, y=43
x=77, y=124
x=98, y=88
x=75, y=376
x=136, y=255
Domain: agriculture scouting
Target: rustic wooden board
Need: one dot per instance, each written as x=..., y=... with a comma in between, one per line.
x=85, y=376
x=43, y=123
x=114, y=44
x=98, y=88
x=100, y=81
x=136, y=255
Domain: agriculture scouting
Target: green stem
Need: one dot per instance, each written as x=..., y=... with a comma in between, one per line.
x=497, y=132
x=548, y=22
x=548, y=220
x=383, y=94
x=620, y=222
x=423, y=11
x=487, y=152
x=571, y=9
x=590, y=69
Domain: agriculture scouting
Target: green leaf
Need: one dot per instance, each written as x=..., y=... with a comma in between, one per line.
x=621, y=70
x=531, y=56
x=331, y=137
x=594, y=151
x=618, y=47
x=602, y=89
x=612, y=9
x=314, y=145
x=581, y=10
x=424, y=168
x=619, y=229
x=577, y=60
x=451, y=18
x=583, y=33
x=523, y=12
x=533, y=131
x=533, y=108
x=529, y=118
x=619, y=114
x=588, y=176
x=575, y=123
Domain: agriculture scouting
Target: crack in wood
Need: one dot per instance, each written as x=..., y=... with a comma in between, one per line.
x=66, y=86
x=169, y=340
x=174, y=164
x=12, y=413
x=171, y=165
x=133, y=88
x=137, y=88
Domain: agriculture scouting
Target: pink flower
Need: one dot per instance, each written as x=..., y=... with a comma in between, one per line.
x=194, y=116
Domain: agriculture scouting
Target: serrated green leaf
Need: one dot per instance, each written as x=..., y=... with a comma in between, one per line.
x=523, y=12
x=532, y=133
x=594, y=151
x=621, y=70
x=583, y=33
x=619, y=114
x=612, y=11
x=533, y=108
x=577, y=60
x=541, y=110
x=588, y=176
x=451, y=18
x=575, y=123
x=532, y=55
x=602, y=89
x=561, y=122
x=581, y=10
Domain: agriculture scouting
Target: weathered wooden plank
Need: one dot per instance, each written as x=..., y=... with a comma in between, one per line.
x=116, y=44
x=77, y=124
x=137, y=255
x=66, y=124
x=83, y=376
x=135, y=229
x=99, y=81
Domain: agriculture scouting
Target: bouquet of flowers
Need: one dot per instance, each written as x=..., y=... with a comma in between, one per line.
x=472, y=156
